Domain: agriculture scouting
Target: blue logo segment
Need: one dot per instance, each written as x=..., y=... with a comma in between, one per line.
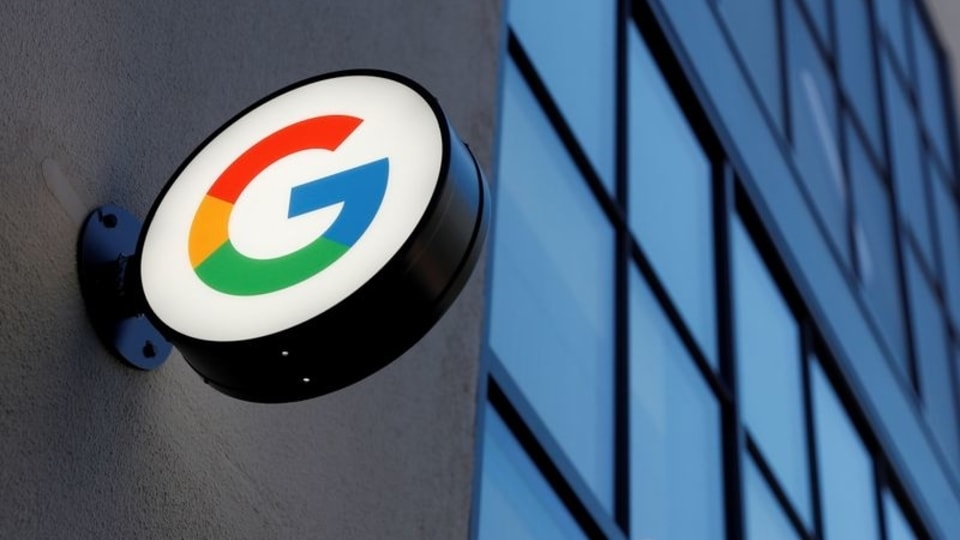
x=360, y=189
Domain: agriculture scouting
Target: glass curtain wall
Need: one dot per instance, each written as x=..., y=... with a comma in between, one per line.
x=650, y=369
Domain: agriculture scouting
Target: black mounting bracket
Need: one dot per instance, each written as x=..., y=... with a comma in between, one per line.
x=106, y=251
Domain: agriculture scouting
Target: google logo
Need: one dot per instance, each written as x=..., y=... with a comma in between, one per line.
x=217, y=261
x=291, y=208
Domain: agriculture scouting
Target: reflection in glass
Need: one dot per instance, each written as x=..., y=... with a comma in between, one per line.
x=847, y=496
x=905, y=154
x=813, y=112
x=933, y=362
x=675, y=470
x=515, y=500
x=855, y=58
x=670, y=211
x=768, y=370
x=753, y=26
x=571, y=43
x=765, y=519
x=876, y=251
x=551, y=319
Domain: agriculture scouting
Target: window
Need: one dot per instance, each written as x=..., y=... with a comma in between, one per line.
x=675, y=431
x=571, y=42
x=848, y=496
x=857, y=73
x=890, y=17
x=907, y=170
x=819, y=11
x=813, y=113
x=898, y=528
x=769, y=370
x=516, y=501
x=552, y=294
x=670, y=190
x=764, y=518
x=933, y=363
x=949, y=229
x=876, y=249
x=753, y=27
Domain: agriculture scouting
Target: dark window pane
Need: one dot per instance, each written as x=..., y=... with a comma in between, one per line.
x=515, y=500
x=753, y=26
x=929, y=84
x=876, y=252
x=890, y=17
x=907, y=172
x=769, y=370
x=898, y=528
x=675, y=471
x=949, y=228
x=813, y=112
x=670, y=191
x=571, y=43
x=765, y=519
x=936, y=379
x=551, y=318
x=855, y=56
x=847, y=486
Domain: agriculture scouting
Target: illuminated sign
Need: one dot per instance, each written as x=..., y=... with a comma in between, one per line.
x=314, y=238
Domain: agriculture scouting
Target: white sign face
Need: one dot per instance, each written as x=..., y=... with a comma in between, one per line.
x=291, y=208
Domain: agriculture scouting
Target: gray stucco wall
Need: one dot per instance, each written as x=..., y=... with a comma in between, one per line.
x=117, y=94
x=946, y=18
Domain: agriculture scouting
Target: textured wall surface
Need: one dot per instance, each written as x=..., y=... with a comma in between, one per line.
x=117, y=94
x=946, y=17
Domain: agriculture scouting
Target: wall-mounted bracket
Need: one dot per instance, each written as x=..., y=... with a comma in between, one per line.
x=106, y=248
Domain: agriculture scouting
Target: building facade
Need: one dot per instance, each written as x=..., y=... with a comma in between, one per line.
x=723, y=289
x=721, y=298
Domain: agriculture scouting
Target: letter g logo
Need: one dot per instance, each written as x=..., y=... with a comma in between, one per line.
x=221, y=266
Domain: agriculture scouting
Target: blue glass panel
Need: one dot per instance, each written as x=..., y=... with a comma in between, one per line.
x=670, y=191
x=949, y=229
x=855, y=58
x=890, y=17
x=572, y=45
x=813, y=112
x=765, y=519
x=551, y=318
x=847, y=486
x=933, y=362
x=876, y=251
x=753, y=26
x=818, y=10
x=769, y=370
x=675, y=470
x=906, y=166
x=929, y=84
x=515, y=500
x=898, y=528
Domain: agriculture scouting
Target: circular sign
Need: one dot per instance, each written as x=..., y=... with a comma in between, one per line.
x=315, y=237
